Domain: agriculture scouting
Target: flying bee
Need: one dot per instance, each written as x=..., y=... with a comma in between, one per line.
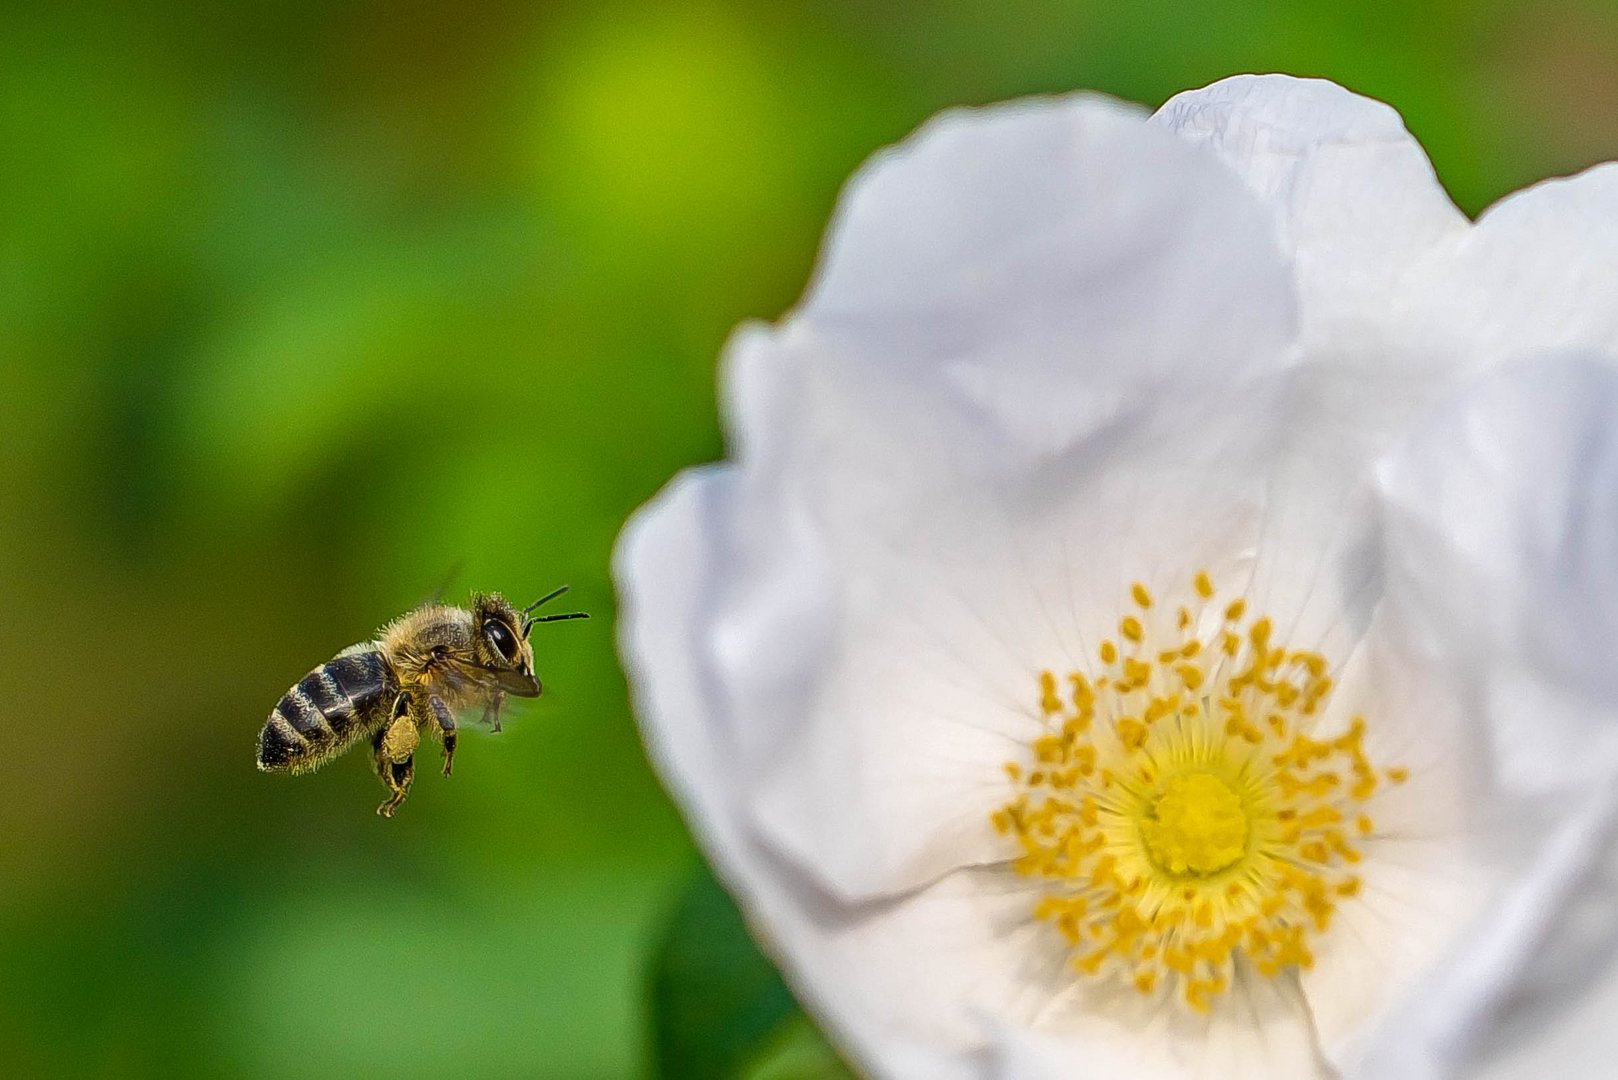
x=422, y=669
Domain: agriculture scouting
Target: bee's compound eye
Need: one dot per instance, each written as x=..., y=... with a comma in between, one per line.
x=501, y=637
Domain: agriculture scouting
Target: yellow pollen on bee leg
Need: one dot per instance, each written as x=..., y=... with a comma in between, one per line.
x=1181, y=807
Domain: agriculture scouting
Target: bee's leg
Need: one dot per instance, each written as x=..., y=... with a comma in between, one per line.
x=446, y=728
x=401, y=776
x=384, y=773
x=395, y=748
x=491, y=711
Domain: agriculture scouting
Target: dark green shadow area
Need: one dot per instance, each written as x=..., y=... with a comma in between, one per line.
x=720, y=1009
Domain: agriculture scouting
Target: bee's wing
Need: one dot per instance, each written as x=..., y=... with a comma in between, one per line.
x=438, y=594
x=469, y=678
x=465, y=677
x=477, y=686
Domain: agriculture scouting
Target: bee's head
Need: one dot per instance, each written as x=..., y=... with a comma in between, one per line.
x=500, y=644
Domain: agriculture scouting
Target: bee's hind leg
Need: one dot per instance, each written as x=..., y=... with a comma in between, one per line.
x=398, y=777
x=446, y=728
x=394, y=757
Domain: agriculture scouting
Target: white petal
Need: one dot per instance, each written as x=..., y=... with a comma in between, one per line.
x=1260, y=1031
x=1421, y=879
x=1369, y=232
x=1049, y=261
x=859, y=969
x=1354, y=197
x=1569, y=1021
x=1539, y=271
x=1503, y=524
x=1457, y=1007
x=1502, y=520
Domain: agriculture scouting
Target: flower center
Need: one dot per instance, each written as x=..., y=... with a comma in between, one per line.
x=1185, y=807
x=1197, y=826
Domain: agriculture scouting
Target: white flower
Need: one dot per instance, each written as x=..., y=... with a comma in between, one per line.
x=1160, y=616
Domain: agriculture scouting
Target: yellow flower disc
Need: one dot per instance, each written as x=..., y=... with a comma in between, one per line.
x=1181, y=807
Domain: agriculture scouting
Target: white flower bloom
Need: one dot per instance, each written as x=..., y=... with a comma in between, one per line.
x=1160, y=617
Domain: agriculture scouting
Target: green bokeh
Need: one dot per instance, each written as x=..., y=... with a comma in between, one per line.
x=304, y=306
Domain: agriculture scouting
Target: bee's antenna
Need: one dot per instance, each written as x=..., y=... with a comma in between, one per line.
x=547, y=598
x=528, y=624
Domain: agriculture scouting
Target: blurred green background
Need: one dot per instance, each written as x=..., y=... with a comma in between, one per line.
x=304, y=306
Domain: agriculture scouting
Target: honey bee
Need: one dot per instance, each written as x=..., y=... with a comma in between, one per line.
x=422, y=669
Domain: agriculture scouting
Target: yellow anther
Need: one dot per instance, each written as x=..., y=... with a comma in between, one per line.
x=1130, y=627
x=1137, y=673
x=1313, y=662
x=1142, y=597
x=1128, y=922
x=1048, y=701
x=1234, y=610
x=1259, y=633
x=1109, y=653
x=1204, y=585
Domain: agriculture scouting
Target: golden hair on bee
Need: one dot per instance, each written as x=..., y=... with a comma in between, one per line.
x=421, y=670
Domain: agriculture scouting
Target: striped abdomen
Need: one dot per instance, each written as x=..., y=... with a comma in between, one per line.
x=330, y=709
